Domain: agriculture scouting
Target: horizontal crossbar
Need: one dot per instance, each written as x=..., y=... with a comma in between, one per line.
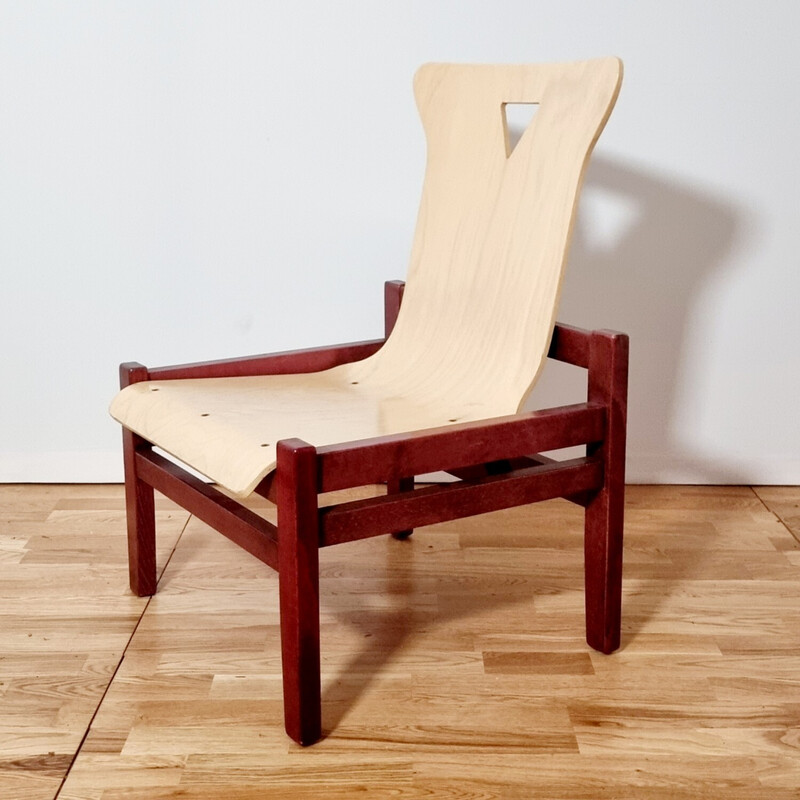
x=405, y=454
x=506, y=465
x=397, y=512
x=242, y=526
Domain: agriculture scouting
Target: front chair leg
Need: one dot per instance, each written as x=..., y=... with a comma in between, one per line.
x=298, y=575
x=603, y=555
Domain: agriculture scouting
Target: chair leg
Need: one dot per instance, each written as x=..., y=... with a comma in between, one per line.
x=140, y=512
x=298, y=575
x=608, y=385
x=603, y=565
x=392, y=298
x=394, y=486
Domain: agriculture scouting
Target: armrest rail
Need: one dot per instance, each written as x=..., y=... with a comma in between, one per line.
x=377, y=460
x=313, y=359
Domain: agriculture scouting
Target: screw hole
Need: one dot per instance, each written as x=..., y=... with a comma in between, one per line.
x=453, y=420
x=353, y=382
x=205, y=414
x=154, y=388
x=265, y=445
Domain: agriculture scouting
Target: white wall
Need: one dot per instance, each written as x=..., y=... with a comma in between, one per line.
x=182, y=181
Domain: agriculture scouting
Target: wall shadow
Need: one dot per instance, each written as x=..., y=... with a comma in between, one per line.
x=645, y=252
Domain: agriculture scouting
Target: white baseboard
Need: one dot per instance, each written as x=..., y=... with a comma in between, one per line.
x=97, y=466
x=105, y=466
x=725, y=471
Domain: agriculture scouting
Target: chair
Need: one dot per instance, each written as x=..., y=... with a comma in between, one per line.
x=466, y=337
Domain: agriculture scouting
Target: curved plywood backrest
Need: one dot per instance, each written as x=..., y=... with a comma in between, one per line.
x=493, y=228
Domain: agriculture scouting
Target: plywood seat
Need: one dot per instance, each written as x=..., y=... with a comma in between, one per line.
x=228, y=428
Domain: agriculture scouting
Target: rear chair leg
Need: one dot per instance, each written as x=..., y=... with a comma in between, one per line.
x=392, y=299
x=608, y=385
x=298, y=576
x=140, y=508
x=395, y=486
x=139, y=502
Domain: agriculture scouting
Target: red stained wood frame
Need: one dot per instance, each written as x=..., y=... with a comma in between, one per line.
x=242, y=526
x=508, y=464
x=608, y=385
x=392, y=298
x=313, y=359
x=139, y=501
x=298, y=575
x=396, y=486
x=570, y=345
x=382, y=458
x=397, y=512
x=498, y=461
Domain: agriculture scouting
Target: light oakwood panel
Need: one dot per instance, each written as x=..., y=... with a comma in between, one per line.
x=66, y=617
x=453, y=666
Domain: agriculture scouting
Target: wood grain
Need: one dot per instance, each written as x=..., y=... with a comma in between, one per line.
x=65, y=619
x=784, y=503
x=453, y=664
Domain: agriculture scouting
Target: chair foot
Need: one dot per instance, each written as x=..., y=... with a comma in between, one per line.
x=603, y=554
x=395, y=486
x=141, y=518
x=300, y=654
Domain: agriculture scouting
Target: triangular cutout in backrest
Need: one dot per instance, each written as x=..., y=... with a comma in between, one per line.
x=517, y=118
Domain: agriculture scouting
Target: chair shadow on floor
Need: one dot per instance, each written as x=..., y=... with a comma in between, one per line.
x=648, y=277
x=420, y=599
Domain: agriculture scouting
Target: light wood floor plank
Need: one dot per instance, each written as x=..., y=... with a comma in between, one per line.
x=784, y=502
x=66, y=617
x=454, y=664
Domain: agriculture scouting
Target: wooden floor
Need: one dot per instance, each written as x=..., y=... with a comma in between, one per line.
x=454, y=664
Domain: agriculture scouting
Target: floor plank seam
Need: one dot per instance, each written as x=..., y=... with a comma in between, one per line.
x=777, y=516
x=117, y=668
